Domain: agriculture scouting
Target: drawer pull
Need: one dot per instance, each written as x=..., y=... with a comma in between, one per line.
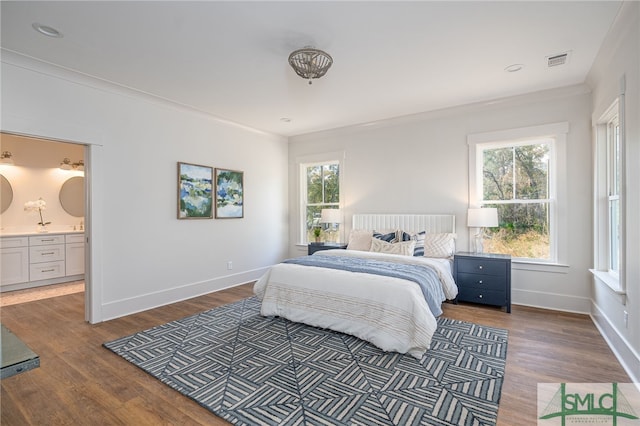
x=480, y=282
x=47, y=253
x=51, y=270
x=50, y=239
x=480, y=267
x=480, y=296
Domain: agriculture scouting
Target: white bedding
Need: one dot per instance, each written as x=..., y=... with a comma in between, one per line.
x=389, y=312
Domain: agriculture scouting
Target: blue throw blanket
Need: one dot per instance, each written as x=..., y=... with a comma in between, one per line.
x=424, y=276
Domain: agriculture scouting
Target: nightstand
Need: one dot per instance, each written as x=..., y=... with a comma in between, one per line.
x=314, y=247
x=483, y=278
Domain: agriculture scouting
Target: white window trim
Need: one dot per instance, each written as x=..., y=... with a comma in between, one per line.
x=616, y=282
x=556, y=131
x=322, y=158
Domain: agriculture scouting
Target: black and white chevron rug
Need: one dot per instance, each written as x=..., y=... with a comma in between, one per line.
x=251, y=370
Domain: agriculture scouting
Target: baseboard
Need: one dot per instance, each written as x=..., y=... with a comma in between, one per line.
x=556, y=302
x=123, y=307
x=41, y=283
x=627, y=356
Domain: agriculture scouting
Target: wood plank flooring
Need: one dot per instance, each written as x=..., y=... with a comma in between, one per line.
x=81, y=383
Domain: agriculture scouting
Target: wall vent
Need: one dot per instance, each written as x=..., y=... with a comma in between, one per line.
x=556, y=60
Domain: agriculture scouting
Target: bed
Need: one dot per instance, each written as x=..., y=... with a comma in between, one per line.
x=383, y=288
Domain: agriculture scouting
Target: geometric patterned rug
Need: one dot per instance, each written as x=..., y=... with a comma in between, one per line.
x=252, y=370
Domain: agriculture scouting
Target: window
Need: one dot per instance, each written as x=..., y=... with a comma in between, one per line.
x=516, y=171
x=613, y=190
x=515, y=180
x=609, y=198
x=319, y=189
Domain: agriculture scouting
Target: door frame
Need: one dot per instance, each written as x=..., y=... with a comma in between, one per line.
x=93, y=214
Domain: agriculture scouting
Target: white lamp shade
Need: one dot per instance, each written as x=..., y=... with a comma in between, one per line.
x=482, y=218
x=330, y=216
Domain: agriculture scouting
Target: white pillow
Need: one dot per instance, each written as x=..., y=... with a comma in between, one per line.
x=404, y=248
x=360, y=239
x=418, y=237
x=439, y=245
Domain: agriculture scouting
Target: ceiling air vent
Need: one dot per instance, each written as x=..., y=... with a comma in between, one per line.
x=556, y=60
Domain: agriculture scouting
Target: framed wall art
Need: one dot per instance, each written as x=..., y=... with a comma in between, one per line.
x=229, y=194
x=195, y=191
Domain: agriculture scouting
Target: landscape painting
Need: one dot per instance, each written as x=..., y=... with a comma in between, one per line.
x=229, y=194
x=195, y=195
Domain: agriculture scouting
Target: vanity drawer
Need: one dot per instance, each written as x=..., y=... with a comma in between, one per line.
x=39, y=254
x=43, y=271
x=43, y=240
x=482, y=266
x=11, y=242
x=74, y=238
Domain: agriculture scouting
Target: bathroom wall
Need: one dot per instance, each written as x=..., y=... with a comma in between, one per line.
x=36, y=174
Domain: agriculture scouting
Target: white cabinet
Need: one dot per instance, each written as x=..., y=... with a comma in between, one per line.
x=74, y=254
x=46, y=257
x=42, y=259
x=14, y=256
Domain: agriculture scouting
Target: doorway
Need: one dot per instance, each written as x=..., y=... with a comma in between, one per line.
x=54, y=173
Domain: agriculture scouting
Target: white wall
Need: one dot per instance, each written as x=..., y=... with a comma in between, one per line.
x=620, y=57
x=419, y=164
x=147, y=256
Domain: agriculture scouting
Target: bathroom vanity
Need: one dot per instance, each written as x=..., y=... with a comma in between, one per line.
x=37, y=259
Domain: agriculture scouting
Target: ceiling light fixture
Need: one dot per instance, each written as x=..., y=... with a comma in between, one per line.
x=5, y=158
x=66, y=164
x=514, y=68
x=46, y=30
x=310, y=63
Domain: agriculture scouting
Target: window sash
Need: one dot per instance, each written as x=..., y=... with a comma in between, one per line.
x=613, y=199
x=305, y=205
x=512, y=198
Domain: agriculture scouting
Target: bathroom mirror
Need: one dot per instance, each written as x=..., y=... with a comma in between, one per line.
x=6, y=194
x=72, y=196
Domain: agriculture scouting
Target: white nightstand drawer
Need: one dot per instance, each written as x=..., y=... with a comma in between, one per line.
x=43, y=271
x=43, y=240
x=39, y=254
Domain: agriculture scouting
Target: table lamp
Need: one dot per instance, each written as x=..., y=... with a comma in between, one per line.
x=481, y=218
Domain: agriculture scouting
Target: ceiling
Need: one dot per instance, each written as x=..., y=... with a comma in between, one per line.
x=229, y=59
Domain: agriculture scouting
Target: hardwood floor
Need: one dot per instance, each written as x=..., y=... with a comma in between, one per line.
x=79, y=382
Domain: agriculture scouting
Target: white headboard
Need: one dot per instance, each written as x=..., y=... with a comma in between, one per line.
x=432, y=223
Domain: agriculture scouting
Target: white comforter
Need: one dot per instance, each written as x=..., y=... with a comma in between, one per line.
x=389, y=312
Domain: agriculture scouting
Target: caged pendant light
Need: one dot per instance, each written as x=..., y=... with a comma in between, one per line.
x=310, y=63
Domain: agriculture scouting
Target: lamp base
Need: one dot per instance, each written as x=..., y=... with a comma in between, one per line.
x=478, y=242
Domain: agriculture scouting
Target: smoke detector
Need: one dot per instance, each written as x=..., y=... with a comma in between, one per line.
x=558, y=59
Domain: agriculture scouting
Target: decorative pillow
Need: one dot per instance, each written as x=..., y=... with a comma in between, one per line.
x=439, y=245
x=390, y=237
x=418, y=238
x=404, y=248
x=360, y=239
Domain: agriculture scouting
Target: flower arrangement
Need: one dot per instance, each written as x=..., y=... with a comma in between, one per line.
x=37, y=205
x=316, y=233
